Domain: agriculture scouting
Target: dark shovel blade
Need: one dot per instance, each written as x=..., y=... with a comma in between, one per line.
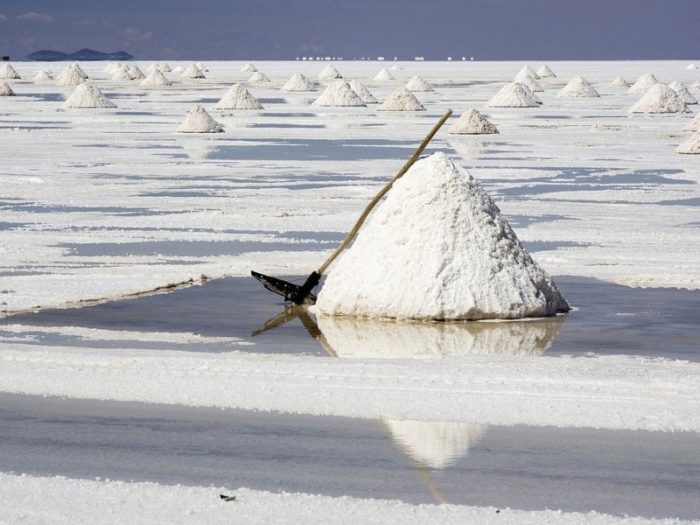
x=291, y=292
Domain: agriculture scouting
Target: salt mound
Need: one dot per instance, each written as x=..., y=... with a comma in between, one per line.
x=178, y=69
x=545, y=72
x=6, y=90
x=578, y=87
x=121, y=73
x=249, y=68
x=690, y=146
x=437, y=248
x=418, y=84
x=164, y=67
x=87, y=95
x=202, y=67
x=473, y=123
x=199, y=121
x=7, y=72
x=70, y=76
x=362, y=92
x=643, y=83
x=693, y=125
x=259, y=78
x=238, y=97
x=338, y=93
x=136, y=73
x=192, y=72
x=43, y=76
x=514, y=95
x=298, y=82
x=618, y=81
x=528, y=71
x=528, y=81
x=659, y=99
x=683, y=92
x=401, y=100
x=155, y=78
x=384, y=75
x=329, y=73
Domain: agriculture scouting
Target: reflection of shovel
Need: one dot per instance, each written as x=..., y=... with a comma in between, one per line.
x=302, y=294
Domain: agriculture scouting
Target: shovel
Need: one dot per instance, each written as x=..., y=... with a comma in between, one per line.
x=302, y=294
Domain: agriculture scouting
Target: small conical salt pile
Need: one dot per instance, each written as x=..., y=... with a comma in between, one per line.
x=6, y=90
x=238, y=97
x=693, y=125
x=199, y=121
x=43, y=76
x=618, y=81
x=473, y=123
x=249, y=68
x=362, y=92
x=338, y=93
x=178, y=70
x=383, y=76
x=690, y=146
x=329, y=73
x=528, y=80
x=437, y=248
x=528, y=71
x=79, y=70
x=7, y=72
x=164, y=67
x=514, y=95
x=298, y=82
x=545, y=72
x=401, y=100
x=121, y=73
x=202, y=67
x=683, y=92
x=259, y=78
x=578, y=87
x=109, y=68
x=155, y=78
x=70, y=76
x=192, y=72
x=643, y=83
x=659, y=98
x=418, y=84
x=87, y=95
x=136, y=73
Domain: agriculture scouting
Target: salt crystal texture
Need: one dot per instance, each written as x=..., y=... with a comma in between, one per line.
x=437, y=248
x=401, y=100
x=6, y=90
x=136, y=72
x=192, y=72
x=618, y=81
x=643, y=83
x=690, y=146
x=659, y=98
x=545, y=72
x=199, y=121
x=7, y=72
x=329, y=73
x=514, y=95
x=529, y=81
x=87, y=95
x=70, y=76
x=418, y=84
x=259, y=78
x=384, y=75
x=249, y=68
x=473, y=123
x=578, y=87
x=238, y=97
x=693, y=125
x=338, y=93
x=155, y=78
x=683, y=92
x=362, y=92
x=43, y=76
x=298, y=82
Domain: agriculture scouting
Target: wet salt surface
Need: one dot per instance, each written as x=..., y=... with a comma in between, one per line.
x=651, y=474
x=609, y=319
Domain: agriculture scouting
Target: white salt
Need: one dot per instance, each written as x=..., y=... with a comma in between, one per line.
x=199, y=121
x=643, y=83
x=693, y=125
x=121, y=73
x=136, y=72
x=249, y=68
x=329, y=73
x=155, y=78
x=6, y=90
x=401, y=100
x=384, y=75
x=683, y=92
x=87, y=95
x=514, y=95
x=164, y=67
x=7, y=72
x=545, y=72
x=690, y=146
x=259, y=78
x=437, y=248
x=238, y=97
x=192, y=72
x=659, y=98
x=528, y=71
x=528, y=80
x=618, y=81
x=692, y=66
x=362, y=92
x=43, y=76
x=70, y=76
x=578, y=87
x=338, y=93
x=298, y=82
x=473, y=123
x=418, y=84
x=178, y=69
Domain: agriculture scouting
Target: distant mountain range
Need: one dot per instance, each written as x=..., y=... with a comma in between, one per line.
x=48, y=55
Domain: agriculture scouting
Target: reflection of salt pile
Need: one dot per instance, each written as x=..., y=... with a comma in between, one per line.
x=528, y=80
x=659, y=98
x=473, y=123
x=683, y=92
x=249, y=68
x=362, y=92
x=690, y=146
x=401, y=100
x=329, y=73
x=86, y=95
x=545, y=72
x=259, y=78
x=418, y=84
x=693, y=125
x=71, y=75
x=338, y=93
x=7, y=72
x=578, y=87
x=514, y=95
x=643, y=83
x=6, y=90
x=43, y=76
x=192, y=72
x=199, y=121
x=238, y=97
x=298, y=82
x=136, y=72
x=438, y=249
x=155, y=78
x=197, y=146
x=384, y=75
x=618, y=81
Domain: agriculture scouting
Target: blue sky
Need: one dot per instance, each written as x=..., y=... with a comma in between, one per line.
x=279, y=29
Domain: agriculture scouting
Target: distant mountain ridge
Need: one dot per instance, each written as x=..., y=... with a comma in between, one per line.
x=49, y=55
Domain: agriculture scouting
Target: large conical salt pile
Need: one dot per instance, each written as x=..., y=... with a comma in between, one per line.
x=578, y=87
x=192, y=72
x=249, y=68
x=155, y=78
x=384, y=75
x=259, y=78
x=545, y=72
x=514, y=95
x=121, y=73
x=87, y=95
x=6, y=90
x=362, y=92
x=136, y=73
x=693, y=125
x=618, y=81
x=71, y=75
x=329, y=73
x=473, y=123
x=690, y=146
x=527, y=80
x=43, y=76
x=683, y=92
x=199, y=121
x=418, y=84
x=338, y=93
x=659, y=98
x=238, y=97
x=437, y=248
x=643, y=83
x=298, y=82
x=7, y=72
x=401, y=100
